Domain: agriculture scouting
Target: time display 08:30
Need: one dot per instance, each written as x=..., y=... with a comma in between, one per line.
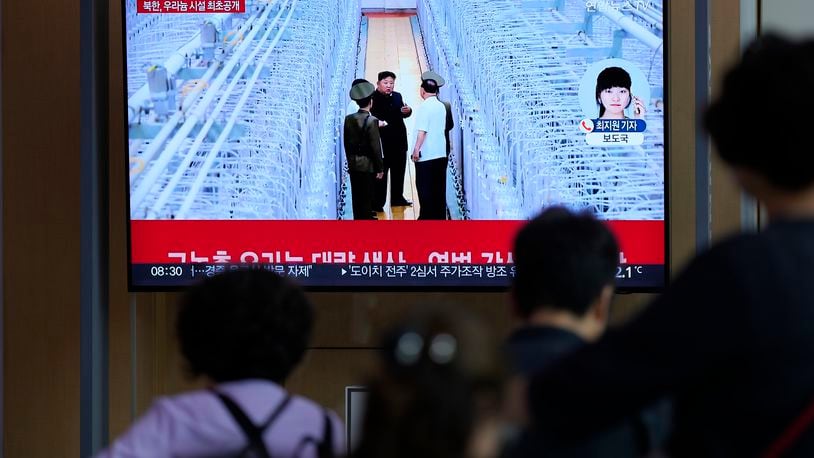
x=166, y=271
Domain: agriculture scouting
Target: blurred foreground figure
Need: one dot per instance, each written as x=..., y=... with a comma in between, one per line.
x=732, y=339
x=437, y=391
x=244, y=331
x=566, y=267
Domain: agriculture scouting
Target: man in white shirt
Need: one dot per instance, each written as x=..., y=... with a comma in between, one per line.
x=429, y=153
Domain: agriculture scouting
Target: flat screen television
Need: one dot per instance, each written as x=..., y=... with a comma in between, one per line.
x=235, y=121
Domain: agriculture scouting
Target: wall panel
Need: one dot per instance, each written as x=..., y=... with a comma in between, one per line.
x=725, y=45
x=41, y=207
x=682, y=119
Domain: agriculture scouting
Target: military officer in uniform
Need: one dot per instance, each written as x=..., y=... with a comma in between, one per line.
x=363, y=150
x=352, y=106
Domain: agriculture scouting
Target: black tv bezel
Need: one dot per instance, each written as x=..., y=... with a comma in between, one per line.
x=136, y=288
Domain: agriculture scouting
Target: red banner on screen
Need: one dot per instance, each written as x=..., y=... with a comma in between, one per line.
x=191, y=6
x=357, y=242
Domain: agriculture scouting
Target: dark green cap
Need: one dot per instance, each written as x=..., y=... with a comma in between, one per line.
x=431, y=75
x=362, y=90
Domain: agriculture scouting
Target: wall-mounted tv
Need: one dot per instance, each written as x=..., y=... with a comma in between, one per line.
x=236, y=120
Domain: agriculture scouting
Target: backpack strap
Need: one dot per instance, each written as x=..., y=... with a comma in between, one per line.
x=325, y=447
x=276, y=413
x=252, y=432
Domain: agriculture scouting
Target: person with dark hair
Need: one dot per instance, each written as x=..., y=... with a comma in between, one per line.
x=244, y=331
x=363, y=150
x=389, y=106
x=613, y=94
x=732, y=339
x=565, y=272
x=429, y=154
x=437, y=391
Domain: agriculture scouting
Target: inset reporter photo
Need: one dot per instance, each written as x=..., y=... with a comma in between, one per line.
x=614, y=89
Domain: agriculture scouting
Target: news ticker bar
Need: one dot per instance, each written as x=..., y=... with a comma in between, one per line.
x=375, y=275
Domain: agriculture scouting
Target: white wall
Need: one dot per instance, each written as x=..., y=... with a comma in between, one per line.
x=789, y=17
x=388, y=4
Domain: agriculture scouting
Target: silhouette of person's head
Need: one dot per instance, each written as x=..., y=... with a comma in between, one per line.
x=244, y=324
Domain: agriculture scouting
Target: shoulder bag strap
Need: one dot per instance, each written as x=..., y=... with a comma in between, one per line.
x=791, y=434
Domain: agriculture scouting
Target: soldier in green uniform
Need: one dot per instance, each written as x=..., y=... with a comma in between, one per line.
x=363, y=149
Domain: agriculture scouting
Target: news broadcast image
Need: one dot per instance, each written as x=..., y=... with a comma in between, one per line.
x=236, y=113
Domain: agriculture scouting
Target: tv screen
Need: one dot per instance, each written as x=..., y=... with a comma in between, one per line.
x=248, y=148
